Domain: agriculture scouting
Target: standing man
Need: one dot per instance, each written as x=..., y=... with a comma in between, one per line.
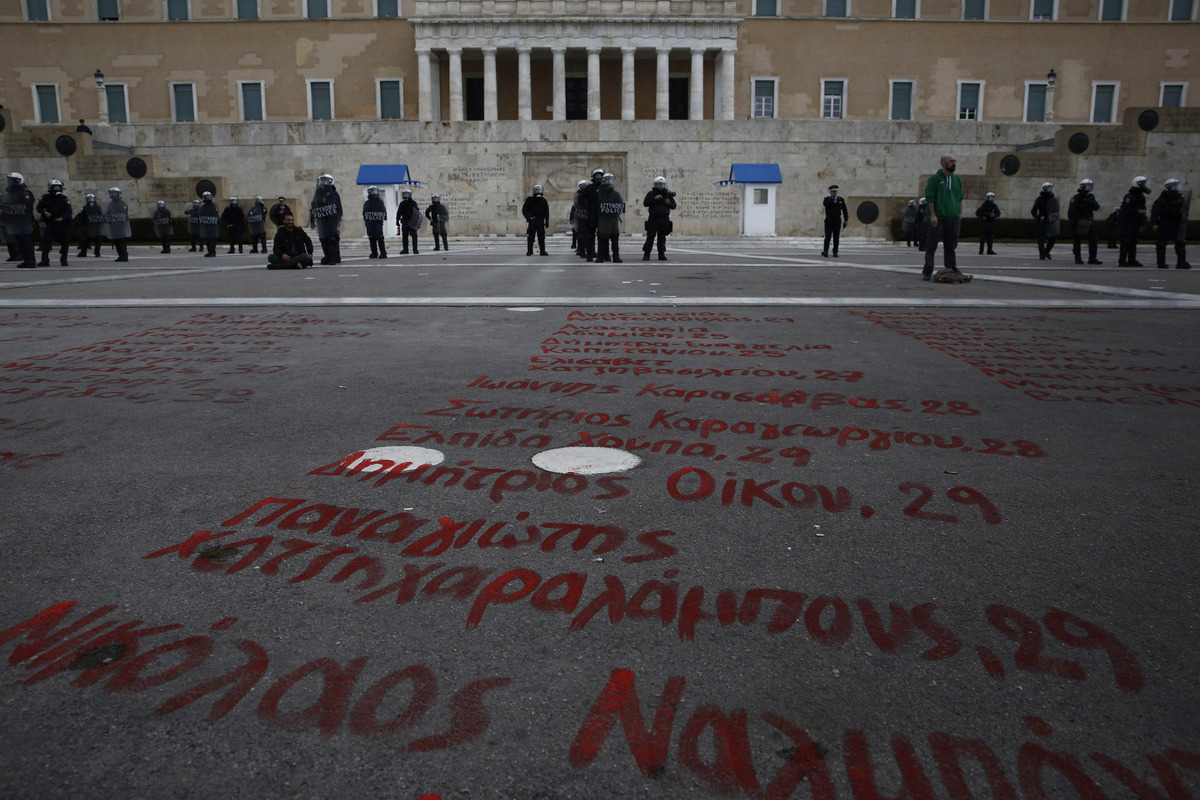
x=256, y=221
x=1045, y=213
x=374, y=215
x=579, y=215
x=1081, y=212
x=1168, y=217
x=921, y=224
x=908, y=223
x=279, y=211
x=55, y=210
x=408, y=221
x=234, y=220
x=438, y=216
x=837, y=216
x=162, y=226
x=591, y=202
x=660, y=201
x=207, y=220
x=987, y=214
x=193, y=225
x=91, y=226
x=16, y=216
x=1133, y=217
x=117, y=216
x=325, y=213
x=292, y=249
x=944, y=192
x=536, y=212
x=608, y=228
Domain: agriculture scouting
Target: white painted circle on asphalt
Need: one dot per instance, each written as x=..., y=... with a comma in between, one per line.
x=525, y=308
x=415, y=456
x=585, y=460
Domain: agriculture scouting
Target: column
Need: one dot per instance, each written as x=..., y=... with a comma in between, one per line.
x=727, y=84
x=593, y=79
x=491, y=108
x=696, y=106
x=456, y=84
x=628, y=94
x=560, y=83
x=662, y=93
x=424, y=92
x=524, y=86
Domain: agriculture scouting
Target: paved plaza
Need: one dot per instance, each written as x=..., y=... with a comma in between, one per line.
x=748, y=522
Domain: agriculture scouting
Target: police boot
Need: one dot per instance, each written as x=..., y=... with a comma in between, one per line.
x=374, y=249
x=1181, y=256
x=96, y=252
x=1160, y=252
x=45, y=262
x=62, y=261
x=82, y=253
x=529, y=245
x=616, y=252
x=382, y=249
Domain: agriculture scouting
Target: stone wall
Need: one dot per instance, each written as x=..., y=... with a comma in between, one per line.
x=484, y=170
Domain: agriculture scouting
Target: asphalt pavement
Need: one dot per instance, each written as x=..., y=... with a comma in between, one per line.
x=748, y=522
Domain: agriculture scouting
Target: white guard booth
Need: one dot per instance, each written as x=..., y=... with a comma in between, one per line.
x=758, y=184
x=391, y=180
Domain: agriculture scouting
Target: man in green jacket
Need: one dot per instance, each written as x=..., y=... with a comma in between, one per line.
x=944, y=190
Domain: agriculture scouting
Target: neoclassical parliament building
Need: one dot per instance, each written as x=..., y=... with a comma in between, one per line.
x=750, y=108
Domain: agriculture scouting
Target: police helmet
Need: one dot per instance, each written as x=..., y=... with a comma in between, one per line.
x=922, y=201
x=660, y=181
x=15, y=179
x=195, y=204
x=912, y=203
x=1139, y=183
x=537, y=190
x=437, y=198
x=1086, y=184
x=372, y=191
x=1048, y=187
x=582, y=184
x=114, y=192
x=990, y=195
x=207, y=196
x=597, y=172
x=1172, y=185
x=282, y=198
x=406, y=193
x=162, y=204
x=325, y=180
x=233, y=201
x=89, y=197
x=608, y=179
x=257, y=200
x=56, y=184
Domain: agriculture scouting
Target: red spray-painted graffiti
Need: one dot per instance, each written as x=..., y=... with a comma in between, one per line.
x=734, y=769
x=50, y=646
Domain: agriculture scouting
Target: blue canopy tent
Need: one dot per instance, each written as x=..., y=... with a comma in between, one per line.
x=386, y=175
x=752, y=173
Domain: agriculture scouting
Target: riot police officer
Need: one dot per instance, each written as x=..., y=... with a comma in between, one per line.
x=1168, y=218
x=987, y=214
x=91, y=226
x=408, y=221
x=279, y=211
x=117, y=218
x=208, y=220
x=579, y=220
x=162, y=225
x=660, y=201
x=1045, y=213
x=438, y=216
x=608, y=226
x=256, y=221
x=374, y=215
x=591, y=200
x=1081, y=212
x=536, y=212
x=193, y=225
x=837, y=217
x=1133, y=218
x=55, y=211
x=234, y=220
x=325, y=214
x=16, y=215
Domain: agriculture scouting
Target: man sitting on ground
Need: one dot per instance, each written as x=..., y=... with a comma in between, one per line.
x=293, y=249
